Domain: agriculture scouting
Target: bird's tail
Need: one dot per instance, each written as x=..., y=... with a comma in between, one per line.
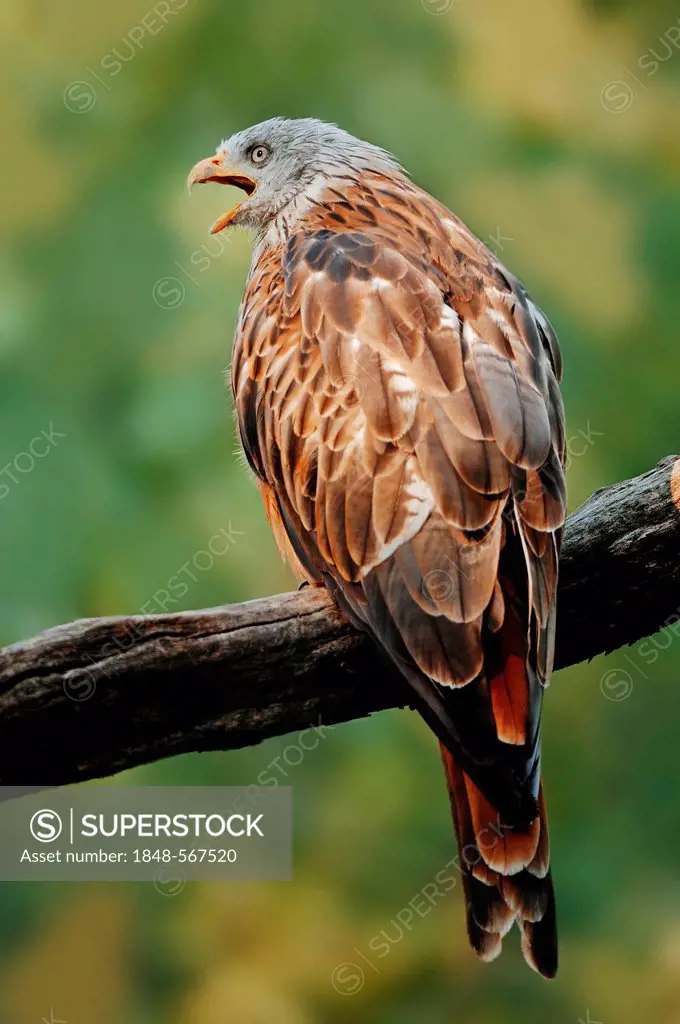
x=506, y=875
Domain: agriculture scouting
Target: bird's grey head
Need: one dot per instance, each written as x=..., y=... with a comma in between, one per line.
x=279, y=160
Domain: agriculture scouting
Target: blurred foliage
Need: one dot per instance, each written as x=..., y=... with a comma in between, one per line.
x=545, y=127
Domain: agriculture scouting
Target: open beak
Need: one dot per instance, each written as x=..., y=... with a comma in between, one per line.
x=213, y=169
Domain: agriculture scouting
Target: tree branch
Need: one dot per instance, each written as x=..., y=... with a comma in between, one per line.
x=96, y=696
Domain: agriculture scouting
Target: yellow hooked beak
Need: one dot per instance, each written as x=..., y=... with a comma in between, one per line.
x=213, y=169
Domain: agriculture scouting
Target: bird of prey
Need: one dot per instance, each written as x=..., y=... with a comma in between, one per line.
x=397, y=399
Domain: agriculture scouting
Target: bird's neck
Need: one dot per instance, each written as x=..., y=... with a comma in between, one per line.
x=325, y=195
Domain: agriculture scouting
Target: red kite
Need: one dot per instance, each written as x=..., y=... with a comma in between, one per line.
x=397, y=400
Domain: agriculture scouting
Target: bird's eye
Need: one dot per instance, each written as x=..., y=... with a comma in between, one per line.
x=259, y=154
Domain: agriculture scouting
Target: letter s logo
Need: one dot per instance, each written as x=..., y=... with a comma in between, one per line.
x=46, y=826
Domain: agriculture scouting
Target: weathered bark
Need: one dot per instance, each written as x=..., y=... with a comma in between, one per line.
x=96, y=696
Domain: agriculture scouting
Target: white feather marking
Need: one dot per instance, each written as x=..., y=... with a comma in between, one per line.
x=450, y=318
x=417, y=491
x=401, y=385
x=400, y=382
x=470, y=334
x=419, y=505
x=407, y=404
x=501, y=322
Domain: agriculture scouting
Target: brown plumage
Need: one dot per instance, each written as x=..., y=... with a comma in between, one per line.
x=397, y=399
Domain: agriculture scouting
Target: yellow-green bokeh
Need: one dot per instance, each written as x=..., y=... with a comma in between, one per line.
x=551, y=126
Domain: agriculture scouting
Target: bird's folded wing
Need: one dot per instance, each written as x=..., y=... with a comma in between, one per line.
x=407, y=417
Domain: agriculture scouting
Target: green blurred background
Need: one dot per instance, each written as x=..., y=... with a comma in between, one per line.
x=552, y=128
